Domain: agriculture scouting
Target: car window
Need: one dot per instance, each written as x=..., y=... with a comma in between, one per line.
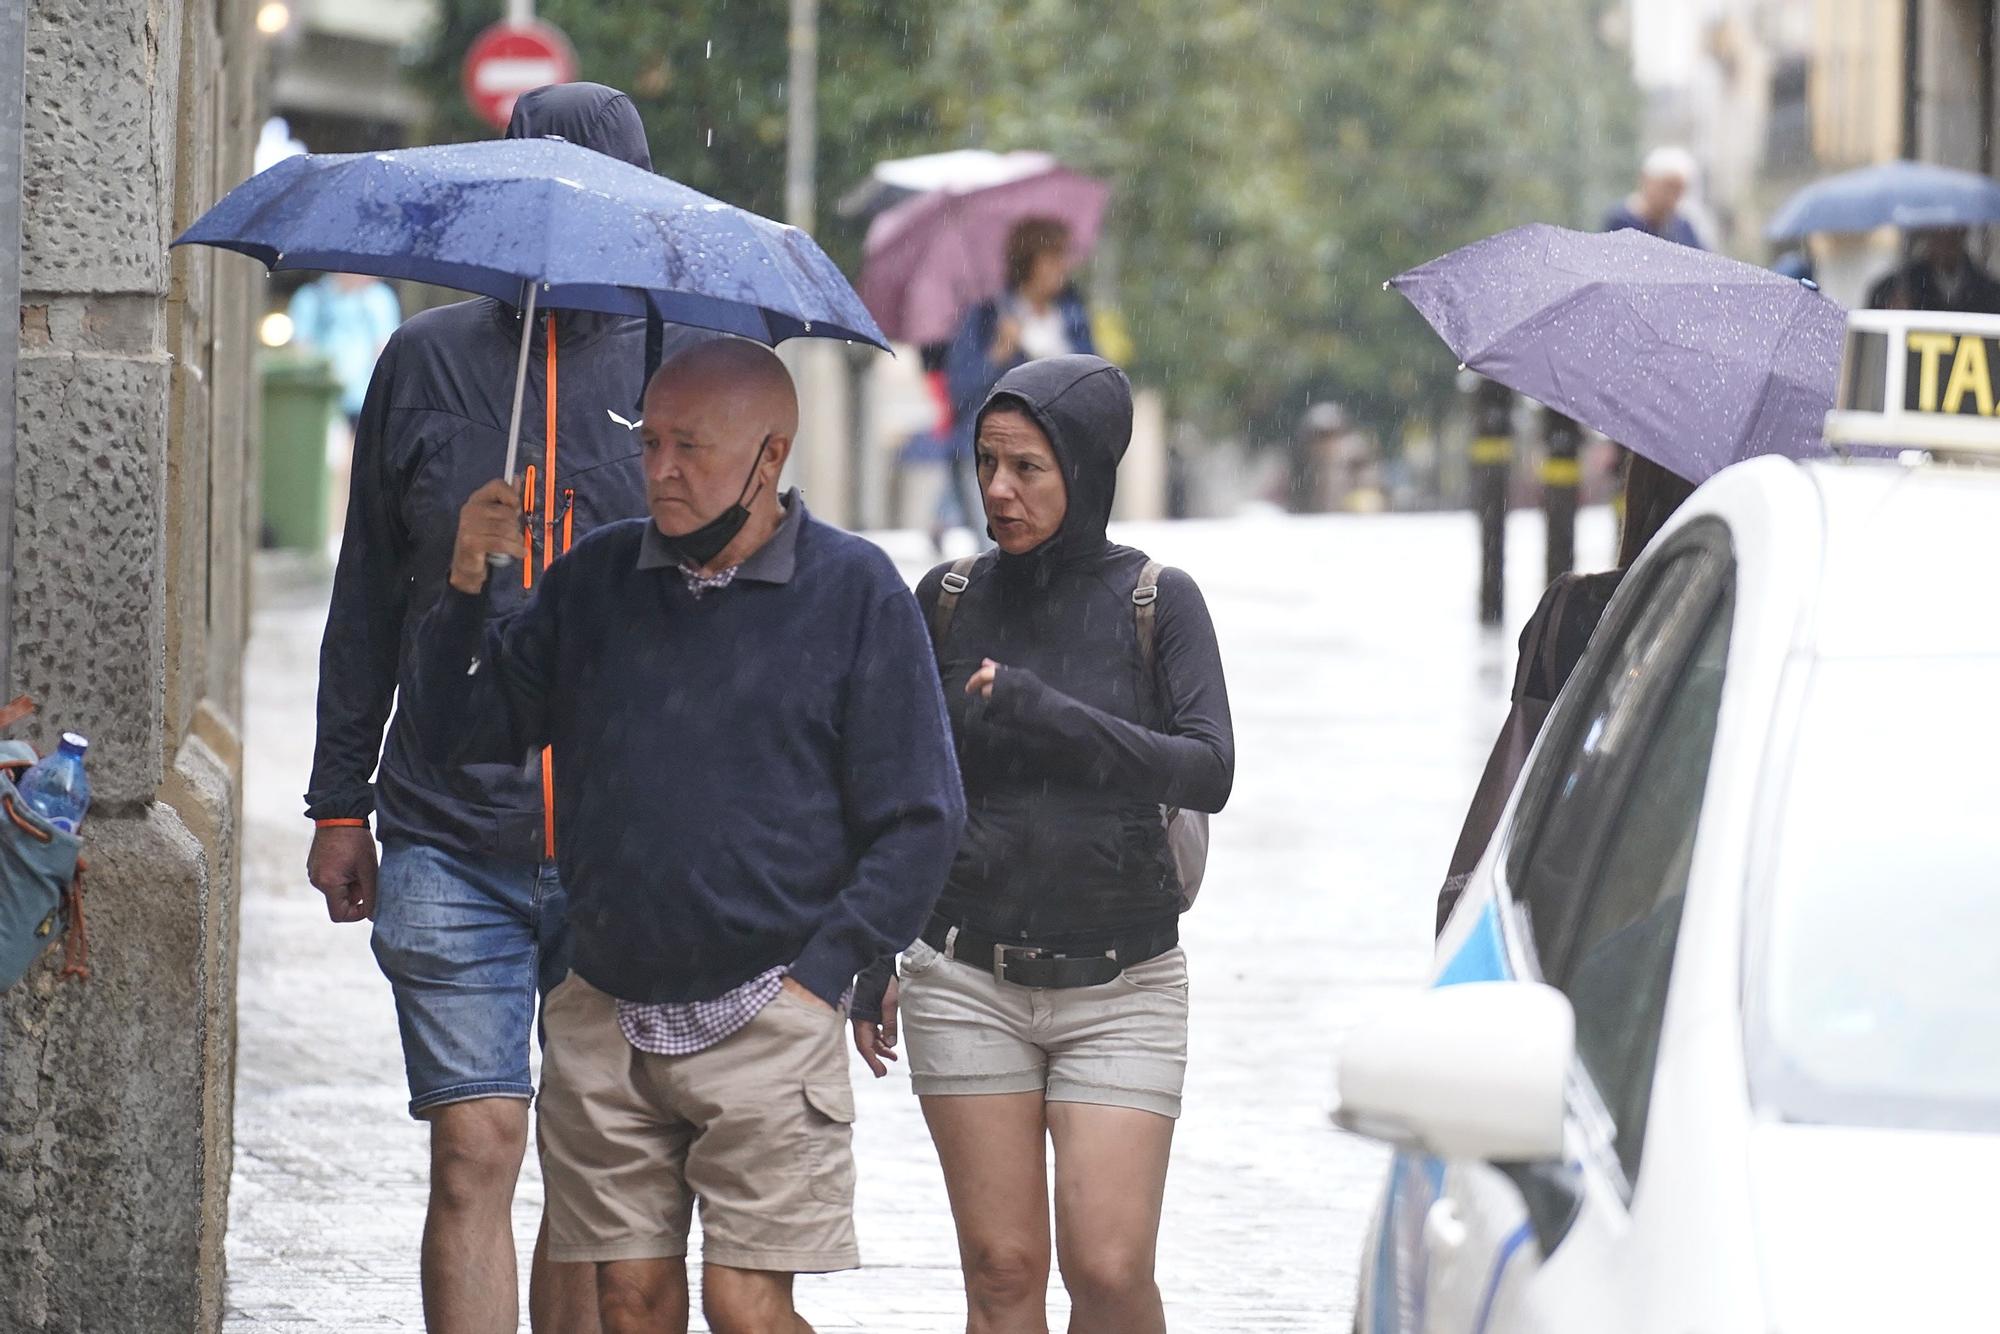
x=1617, y=969
x=1573, y=787
x=1875, y=997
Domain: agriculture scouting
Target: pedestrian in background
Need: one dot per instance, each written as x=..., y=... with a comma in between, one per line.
x=348, y=317
x=1655, y=206
x=1552, y=644
x=1939, y=275
x=1040, y=314
x=755, y=796
x=1047, y=997
x=468, y=909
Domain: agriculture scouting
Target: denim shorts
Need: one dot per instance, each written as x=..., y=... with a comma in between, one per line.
x=470, y=946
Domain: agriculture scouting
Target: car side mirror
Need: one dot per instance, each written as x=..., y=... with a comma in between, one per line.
x=1475, y=1070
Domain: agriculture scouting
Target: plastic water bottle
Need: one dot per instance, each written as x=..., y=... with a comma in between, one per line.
x=57, y=786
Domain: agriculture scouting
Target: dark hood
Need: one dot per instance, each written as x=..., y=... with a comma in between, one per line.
x=1084, y=406
x=584, y=113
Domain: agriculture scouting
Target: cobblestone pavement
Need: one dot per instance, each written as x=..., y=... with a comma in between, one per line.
x=1365, y=700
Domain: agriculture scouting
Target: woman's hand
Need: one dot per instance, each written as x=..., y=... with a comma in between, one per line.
x=1006, y=341
x=877, y=1042
x=982, y=680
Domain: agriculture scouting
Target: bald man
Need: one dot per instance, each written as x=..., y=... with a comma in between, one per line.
x=756, y=795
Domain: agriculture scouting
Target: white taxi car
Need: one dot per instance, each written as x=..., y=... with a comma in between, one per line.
x=1713, y=1045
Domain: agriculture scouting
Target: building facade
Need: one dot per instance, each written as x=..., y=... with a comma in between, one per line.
x=133, y=506
x=1950, y=86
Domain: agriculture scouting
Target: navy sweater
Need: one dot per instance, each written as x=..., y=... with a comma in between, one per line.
x=761, y=776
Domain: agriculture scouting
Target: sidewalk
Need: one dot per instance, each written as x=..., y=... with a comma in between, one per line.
x=1365, y=701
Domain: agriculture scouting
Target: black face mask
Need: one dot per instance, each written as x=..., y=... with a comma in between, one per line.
x=705, y=543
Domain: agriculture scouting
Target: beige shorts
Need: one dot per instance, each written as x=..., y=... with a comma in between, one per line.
x=1122, y=1044
x=757, y=1129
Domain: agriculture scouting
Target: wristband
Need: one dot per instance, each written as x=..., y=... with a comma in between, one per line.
x=340, y=824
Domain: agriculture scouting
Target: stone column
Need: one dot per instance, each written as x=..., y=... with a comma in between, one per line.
x=132, y=537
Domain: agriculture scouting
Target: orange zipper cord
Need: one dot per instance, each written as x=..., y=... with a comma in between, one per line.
x=569, y=518
x=548, y=558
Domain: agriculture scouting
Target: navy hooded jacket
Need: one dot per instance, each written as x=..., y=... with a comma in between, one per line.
x=432, y=431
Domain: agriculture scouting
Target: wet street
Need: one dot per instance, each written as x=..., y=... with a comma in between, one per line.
x=1365, y=699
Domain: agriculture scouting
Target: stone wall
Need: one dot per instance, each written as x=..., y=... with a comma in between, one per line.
x=135, y=517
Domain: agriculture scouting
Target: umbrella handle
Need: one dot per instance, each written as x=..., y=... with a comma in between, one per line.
x=528, y=295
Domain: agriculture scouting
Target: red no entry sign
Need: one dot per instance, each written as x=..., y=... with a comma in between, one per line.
x=507, y=60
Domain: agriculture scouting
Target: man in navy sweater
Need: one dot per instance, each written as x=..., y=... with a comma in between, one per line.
x=755, y=796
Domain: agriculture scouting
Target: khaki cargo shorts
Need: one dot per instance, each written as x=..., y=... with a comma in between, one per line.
x=757, y=1130
x=1122, y=1044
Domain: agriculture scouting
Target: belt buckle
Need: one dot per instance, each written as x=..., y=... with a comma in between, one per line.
x=1000, y=953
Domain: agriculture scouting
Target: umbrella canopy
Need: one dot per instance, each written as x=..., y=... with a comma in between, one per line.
x=1692, y=359
x=540, y=220
x=1910, y=195
x=591, y=232
x=930, y=258
x=896, y=179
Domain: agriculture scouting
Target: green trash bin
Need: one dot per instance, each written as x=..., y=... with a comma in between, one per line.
x=300, y=399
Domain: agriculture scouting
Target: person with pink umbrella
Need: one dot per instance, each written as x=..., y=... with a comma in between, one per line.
x=1039, y=314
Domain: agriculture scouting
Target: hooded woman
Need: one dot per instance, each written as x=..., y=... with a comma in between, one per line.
x=1048, y=997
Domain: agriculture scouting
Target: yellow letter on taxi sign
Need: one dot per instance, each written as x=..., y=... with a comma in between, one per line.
x=1969, y=371
x=1930, y=346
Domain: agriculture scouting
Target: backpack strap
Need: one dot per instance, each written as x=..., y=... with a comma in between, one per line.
x=1145, y=614
x=956, y=580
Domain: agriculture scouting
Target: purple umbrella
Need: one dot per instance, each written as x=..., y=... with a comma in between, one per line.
x=929, y=259
x=1692, y=359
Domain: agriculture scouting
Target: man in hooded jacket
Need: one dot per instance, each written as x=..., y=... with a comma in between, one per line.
x=469, y=914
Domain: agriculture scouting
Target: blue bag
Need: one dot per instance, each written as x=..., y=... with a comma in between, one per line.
x=41, y=879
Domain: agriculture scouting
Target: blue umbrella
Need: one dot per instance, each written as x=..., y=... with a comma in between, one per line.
x=1692, y=359
x=541, y=221
x=1910, y=195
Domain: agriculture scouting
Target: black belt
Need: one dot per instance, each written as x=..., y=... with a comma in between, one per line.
x=1089, y=964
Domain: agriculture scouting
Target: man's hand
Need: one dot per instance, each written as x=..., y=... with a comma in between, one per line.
x=877, y=1042
x=341, y=866
x=489, y=524
x=800, y=990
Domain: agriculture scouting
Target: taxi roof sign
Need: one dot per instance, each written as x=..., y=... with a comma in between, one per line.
x=1919, y=379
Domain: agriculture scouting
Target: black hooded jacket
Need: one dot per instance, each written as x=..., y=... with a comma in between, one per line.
x=432, y=431
x=1066, y=767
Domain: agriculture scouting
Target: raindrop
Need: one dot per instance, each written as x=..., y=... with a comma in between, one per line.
x=708, y=51
x=711, y=138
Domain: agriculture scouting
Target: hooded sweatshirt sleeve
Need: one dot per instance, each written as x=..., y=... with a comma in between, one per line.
x=1191, y=765
x=364, y=624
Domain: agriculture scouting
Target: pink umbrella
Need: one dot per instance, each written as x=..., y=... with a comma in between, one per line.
x=930, y=258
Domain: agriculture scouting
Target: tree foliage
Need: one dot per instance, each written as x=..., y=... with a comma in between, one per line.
x=708, y=77
x=1273, y=160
